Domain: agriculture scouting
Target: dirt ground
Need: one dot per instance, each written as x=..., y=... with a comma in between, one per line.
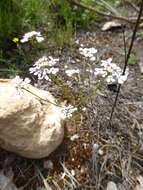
x=104, y=151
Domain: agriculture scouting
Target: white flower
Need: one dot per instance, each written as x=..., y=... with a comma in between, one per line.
x=92, y=58
x=29, y=35
x=70, y=72
x=67, y=111
x=88, y=52
x=110, y=79
x=74, y=137
x=83, y=109
x=19, y=83
x=100, y=71
x=123, y=78
x=111, y=71
x=42, y=67
x=39, y=38
x=106, y=62
x=53, y=70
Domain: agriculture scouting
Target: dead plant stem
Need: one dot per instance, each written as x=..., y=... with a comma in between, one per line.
x=131, y=20
x=127, y=58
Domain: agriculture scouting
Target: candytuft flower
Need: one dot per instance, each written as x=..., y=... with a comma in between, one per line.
x=89, y=53
x=43, y=67
x=111, y=72
x=19, y=84
x=70, y=72
x=67, y=111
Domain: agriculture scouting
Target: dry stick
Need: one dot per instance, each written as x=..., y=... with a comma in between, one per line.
x=47, y=186
x=133, y=5
x=108, y=7
x=128, y=20
x=127, y=58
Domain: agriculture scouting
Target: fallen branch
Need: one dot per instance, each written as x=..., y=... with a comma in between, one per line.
x=128, y=20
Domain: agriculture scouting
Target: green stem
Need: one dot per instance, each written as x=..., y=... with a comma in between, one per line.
x=40, y=97
x=10, y=70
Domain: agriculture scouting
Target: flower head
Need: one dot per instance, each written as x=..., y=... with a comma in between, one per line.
x=67, y=111
x=88, y=52
x=15, y=39
x=19, y=84
x=43, y=67
x=70, y=72
x=111, y=72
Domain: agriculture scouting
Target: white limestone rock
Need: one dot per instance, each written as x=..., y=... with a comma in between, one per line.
x=28, y=126
x=111, y=25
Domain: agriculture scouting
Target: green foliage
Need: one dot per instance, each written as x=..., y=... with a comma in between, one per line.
x=9, y=18
x=61, y=21
x=133, y=59
x=56, y=18
x=17, y=16
x=140, y=34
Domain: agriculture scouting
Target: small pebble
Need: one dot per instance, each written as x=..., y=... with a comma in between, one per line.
x=48, y=164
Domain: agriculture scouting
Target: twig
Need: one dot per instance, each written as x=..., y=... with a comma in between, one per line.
x=42, y=177
x=56, y=185
x=109, y=7
x=132, y=20
x=133, y=5
x=127, y=57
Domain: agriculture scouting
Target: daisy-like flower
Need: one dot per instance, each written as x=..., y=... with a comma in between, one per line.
x=67, y=111
x=19, y=84
x=30, y=35
x=15, y=40
x=43, y=67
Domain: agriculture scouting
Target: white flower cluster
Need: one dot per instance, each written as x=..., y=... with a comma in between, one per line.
x=89, y=53
x=67, y=111
x=70, y=72
x=43, y=67
x=74, y=137
x=112, y=71
x=20, y=83
x=30, y=35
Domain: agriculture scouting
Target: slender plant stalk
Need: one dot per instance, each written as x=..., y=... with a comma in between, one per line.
x=127, y=58
x=45, y=100
x=10, y=70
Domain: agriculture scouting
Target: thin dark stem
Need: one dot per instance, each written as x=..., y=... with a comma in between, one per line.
x=133, y=38
x=127, y=58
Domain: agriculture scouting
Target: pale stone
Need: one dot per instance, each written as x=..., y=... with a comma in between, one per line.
x=28, y=126
x=6, y=181
x=110, y=25
x=111, y=186
x=140, y=185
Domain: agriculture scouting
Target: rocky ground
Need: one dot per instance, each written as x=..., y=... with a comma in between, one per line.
x=102, y=150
